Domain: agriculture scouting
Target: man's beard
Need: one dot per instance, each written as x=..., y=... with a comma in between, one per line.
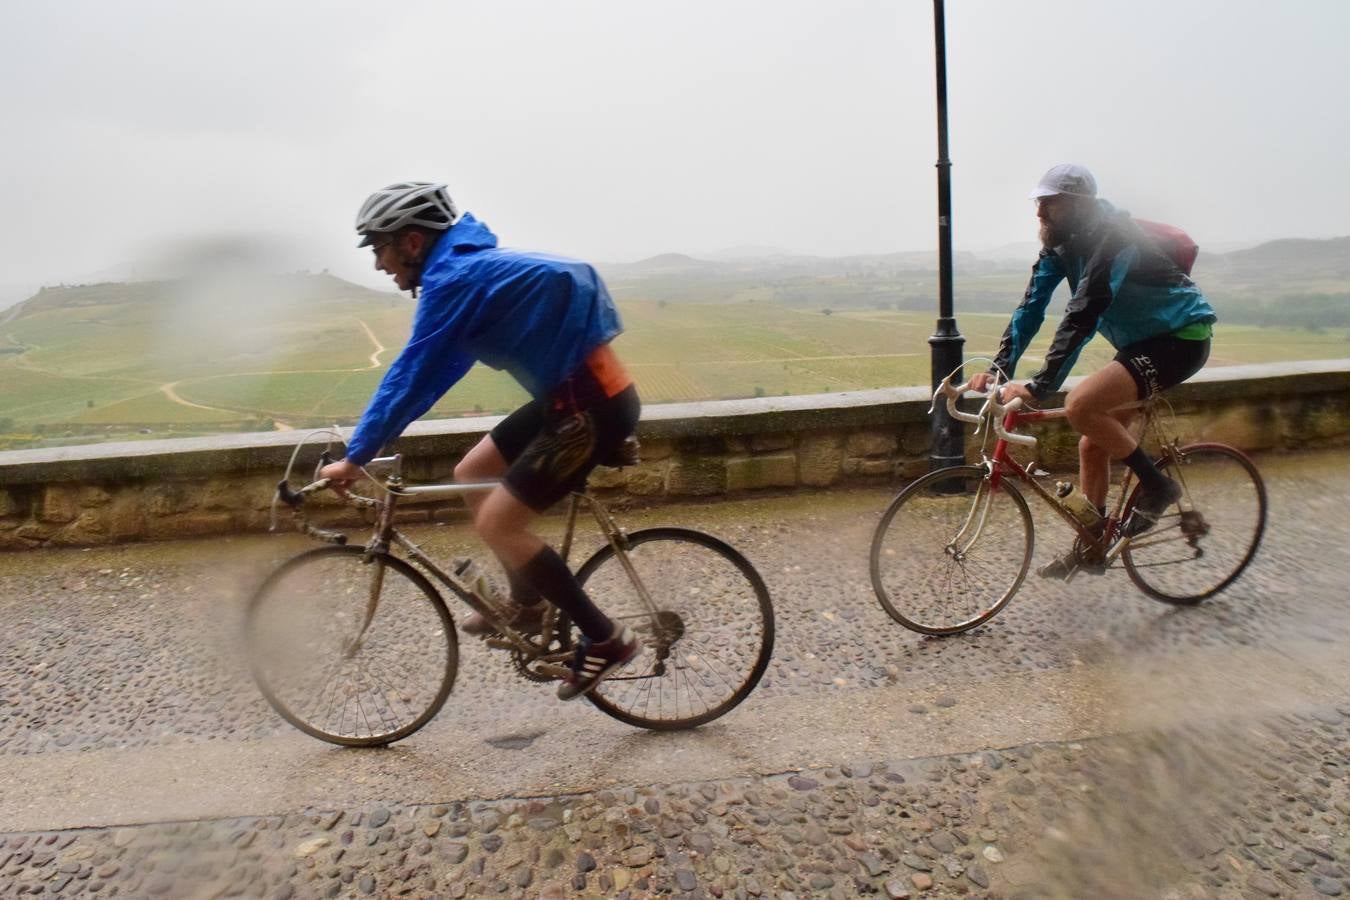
x=1052, y=237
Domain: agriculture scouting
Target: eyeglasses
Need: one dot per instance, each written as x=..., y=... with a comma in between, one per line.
x=376, y=248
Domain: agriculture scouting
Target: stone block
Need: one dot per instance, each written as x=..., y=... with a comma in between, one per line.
x=914, y=439
x=750, y=472
x=871, y=468
x=9, y=505
x=125, y=516
x=697, y=476
x=820, y=458
x=94, y=495
x=605, y=478
x=1056, y=447
x=10, y=540
x=34, y=533
x=60, y=504
x=1315, y=419
x=221, y=494
x=870, y=443
x=647, y=479
x=1245, y=427
x=911, y=467
x=170, y=498
x=192, y=524
x=651, y=451
x=763, y=443
x=90, y=528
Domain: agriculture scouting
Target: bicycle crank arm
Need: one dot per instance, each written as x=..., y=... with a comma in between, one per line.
x=553, y=670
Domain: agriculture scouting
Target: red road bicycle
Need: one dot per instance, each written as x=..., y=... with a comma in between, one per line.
x=954, y=546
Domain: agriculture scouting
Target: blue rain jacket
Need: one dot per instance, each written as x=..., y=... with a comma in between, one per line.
x=536, y=316
x=1124, y=285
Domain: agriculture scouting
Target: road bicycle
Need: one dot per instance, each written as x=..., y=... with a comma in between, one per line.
x=954, y=546
x=356, y=646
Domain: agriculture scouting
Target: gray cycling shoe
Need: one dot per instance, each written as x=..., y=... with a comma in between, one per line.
x=1150, y=506
x=1061, y=567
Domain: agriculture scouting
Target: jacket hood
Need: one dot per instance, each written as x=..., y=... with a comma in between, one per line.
x=468, y=234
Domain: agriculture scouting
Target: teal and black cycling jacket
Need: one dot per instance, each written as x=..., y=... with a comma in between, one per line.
x=1123, y=285
x=533, y=315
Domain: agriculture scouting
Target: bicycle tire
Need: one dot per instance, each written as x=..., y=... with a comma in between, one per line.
x=665, y=559
x=1214, y=473
x=918, y=528
x=403, y=632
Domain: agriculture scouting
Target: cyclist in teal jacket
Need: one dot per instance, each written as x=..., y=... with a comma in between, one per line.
x=1127, y=287
x=549, y=322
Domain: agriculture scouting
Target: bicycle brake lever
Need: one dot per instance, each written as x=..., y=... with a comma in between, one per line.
x=288, y=496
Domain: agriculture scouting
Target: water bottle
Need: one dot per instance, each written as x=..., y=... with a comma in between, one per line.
x=469, y=572
x=1080, y=507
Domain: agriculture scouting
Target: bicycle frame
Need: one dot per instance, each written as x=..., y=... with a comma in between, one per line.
x=386, y=535
x=1004, y=420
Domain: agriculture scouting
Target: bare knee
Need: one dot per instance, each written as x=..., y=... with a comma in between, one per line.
x=465, y=470
x=1079, y=409
x=483, y=461
x=1089, y=451
x=490, y=526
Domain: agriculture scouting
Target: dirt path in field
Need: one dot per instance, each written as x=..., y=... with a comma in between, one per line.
x=167, y=389
x=379, y=348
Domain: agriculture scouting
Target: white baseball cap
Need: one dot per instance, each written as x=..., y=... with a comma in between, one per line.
x=1066, y=178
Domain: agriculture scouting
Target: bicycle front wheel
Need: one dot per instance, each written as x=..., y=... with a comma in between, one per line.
x=709, y=641
x=352, y=652
x=1200, y=546
x=951, y=550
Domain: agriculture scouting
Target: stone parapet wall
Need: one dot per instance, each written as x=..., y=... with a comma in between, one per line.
x=152, y=490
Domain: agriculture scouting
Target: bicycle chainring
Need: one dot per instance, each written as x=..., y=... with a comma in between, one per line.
x=522, y=663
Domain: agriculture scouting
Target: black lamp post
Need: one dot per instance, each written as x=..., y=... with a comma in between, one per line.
x=949, y=438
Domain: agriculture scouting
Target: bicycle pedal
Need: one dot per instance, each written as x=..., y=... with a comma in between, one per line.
x=497, y=642
x=553, y=670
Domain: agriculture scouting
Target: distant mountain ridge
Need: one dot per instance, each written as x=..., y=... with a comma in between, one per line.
x=1303, y=256
x=302, y=287
x=1295, y=259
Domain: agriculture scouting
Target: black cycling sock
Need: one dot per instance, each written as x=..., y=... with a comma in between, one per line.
x=522, y=592
x=550, y=576
x=1144, y=469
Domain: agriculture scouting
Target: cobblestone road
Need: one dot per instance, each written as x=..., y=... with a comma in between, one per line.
x=1086, y=743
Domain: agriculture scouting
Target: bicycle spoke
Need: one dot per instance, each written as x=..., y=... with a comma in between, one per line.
x=367, y=693
x=950, y=551
x=1223, y=521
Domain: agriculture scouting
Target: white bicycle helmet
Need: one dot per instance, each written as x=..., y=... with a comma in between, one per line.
x=420, y=203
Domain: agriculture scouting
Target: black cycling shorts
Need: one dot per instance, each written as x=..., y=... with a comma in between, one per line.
x=551, y=444
x=1158, y=363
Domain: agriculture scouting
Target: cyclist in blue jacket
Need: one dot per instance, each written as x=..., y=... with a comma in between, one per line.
x=549, y=322
x=1127, y=287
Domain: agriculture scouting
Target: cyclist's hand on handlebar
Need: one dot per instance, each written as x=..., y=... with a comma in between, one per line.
x=981, y=381
x=341, y=475
x=1014, y=391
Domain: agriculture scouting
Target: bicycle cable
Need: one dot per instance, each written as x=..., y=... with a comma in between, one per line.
x=333, y=435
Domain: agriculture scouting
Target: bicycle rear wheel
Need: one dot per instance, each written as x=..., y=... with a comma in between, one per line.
x=338, y=673
x=950, y=551
x=1202, y=545
x=706, y=648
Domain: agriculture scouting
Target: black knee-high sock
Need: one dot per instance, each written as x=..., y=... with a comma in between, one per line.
x=1145, y=470
x=550, y=576
x=522, y=591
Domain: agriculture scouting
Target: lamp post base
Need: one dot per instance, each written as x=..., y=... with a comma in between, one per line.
x=948, y=445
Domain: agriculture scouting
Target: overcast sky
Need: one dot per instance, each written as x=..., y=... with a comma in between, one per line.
x=618, y=129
